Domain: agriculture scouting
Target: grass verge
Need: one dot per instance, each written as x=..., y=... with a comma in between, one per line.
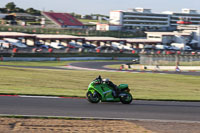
x=43, y=63
x=36, y=63
x=75, y=82
x=44, y=117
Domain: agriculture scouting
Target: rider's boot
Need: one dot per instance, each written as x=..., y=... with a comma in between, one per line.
x=114, y=94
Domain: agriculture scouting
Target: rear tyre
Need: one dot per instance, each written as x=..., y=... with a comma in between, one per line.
x=126, y=98
x=93, y=98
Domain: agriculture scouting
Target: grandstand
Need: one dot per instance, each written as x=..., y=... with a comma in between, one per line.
x=63, y=20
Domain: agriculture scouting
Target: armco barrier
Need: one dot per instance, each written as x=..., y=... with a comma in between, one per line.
x=64, y=58
x=29, y=59
x=85, y=58
x=125, y=58
x=1, y=58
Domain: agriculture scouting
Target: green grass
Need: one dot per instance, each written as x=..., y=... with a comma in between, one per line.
x=36, y=63
x=49, y=117
x=43, y=117
x=44, y=63
x=75, y=82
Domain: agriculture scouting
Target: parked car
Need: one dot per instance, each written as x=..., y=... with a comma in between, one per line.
x=181, y=46
x=41, y=45
x=89, y=46
x=109, y=48
x=56, y=45
x=149, y=47
x=4, y=44
x=74, y=45
x=121, y=46
x=16, y=43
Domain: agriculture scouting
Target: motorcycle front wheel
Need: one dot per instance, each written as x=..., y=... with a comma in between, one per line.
x=126, y=98
x=93, y=98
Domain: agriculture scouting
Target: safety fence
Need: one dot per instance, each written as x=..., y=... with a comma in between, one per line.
x=175, y=59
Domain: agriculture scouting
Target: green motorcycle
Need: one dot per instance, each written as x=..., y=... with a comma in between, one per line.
x=99, y=90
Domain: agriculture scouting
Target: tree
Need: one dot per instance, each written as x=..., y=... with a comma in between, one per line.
x=33, y=11
x=17, y=9
x=78, y=16
x=3, y=10
x=73, y=14
x=11, y=6
x=88, y=17
x=30, y=10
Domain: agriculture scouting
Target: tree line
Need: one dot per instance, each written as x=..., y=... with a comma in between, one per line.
x=12, y=8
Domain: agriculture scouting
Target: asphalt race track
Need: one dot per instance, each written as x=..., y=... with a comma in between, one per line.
x=148, y=110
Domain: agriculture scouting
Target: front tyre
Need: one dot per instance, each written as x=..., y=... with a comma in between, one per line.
x=126, y=98
x=93, y=98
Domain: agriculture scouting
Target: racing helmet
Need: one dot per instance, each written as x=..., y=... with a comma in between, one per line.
x=106, y=80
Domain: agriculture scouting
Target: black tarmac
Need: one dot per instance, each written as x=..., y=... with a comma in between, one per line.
x=158, y=110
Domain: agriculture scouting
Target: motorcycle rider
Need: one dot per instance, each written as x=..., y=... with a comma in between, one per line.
x=113, y=86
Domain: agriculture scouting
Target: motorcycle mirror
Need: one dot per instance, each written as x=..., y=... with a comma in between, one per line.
x=100, y=78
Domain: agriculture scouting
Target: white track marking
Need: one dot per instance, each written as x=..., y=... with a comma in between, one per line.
x=26, y=96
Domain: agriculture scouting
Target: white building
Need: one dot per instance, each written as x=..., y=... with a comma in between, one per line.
x=191, y=15
x=139, y=18
x=145, y=19
x=169, y=37
x=108, y=27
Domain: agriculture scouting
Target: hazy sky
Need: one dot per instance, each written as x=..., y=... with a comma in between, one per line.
x=104, y=6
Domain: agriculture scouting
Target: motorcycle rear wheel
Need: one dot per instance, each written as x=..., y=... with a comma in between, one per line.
x=126, y=99
x=93, y=98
